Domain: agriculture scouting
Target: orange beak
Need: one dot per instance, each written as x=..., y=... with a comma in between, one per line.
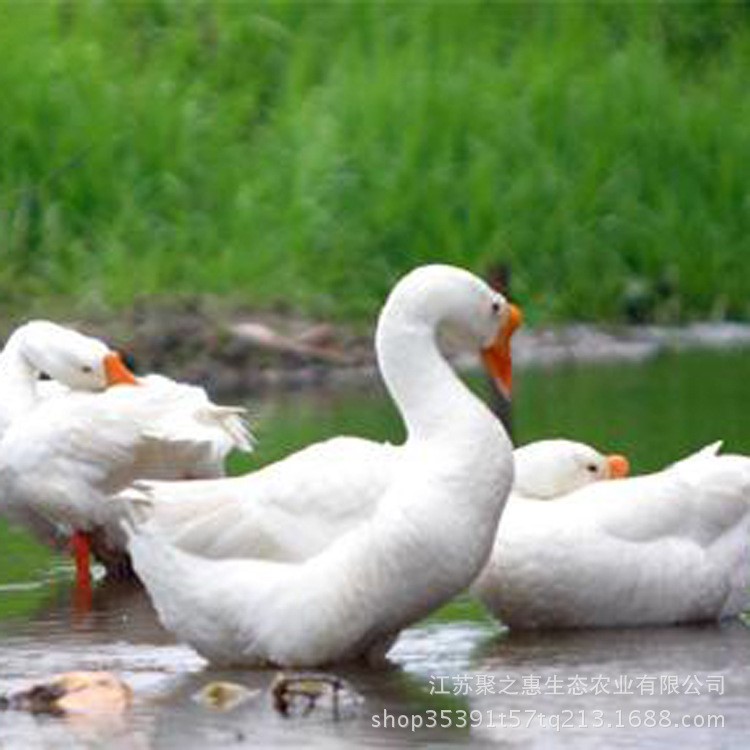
x=116, y=372
x=618, y=467
x=496, y=356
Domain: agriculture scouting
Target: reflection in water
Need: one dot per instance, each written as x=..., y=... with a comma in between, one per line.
x=627, y=678
x=456, y=661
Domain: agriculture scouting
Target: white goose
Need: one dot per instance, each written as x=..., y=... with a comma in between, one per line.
x=658, y=549
x=429, y=537
x=60, y=462
x=70, y=358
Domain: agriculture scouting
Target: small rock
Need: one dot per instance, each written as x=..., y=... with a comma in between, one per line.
x=73, y=693
x=223, y=696
x=299, y=694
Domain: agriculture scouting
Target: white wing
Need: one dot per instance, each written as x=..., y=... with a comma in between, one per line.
x=289, y=510
x=69, y=454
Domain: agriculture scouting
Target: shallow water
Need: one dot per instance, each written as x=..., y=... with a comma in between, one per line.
x=519, y=690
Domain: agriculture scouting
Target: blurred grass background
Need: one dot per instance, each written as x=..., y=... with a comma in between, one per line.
x=305, y=154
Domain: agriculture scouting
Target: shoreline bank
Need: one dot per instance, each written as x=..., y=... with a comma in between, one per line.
x=256, y=352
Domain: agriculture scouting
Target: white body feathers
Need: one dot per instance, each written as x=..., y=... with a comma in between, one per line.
x=429, y=537
x=62, y=461
x=664, y=548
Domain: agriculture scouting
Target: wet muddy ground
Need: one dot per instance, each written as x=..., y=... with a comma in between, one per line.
x=650, y=688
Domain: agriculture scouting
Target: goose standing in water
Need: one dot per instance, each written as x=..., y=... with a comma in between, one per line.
x=429, y=537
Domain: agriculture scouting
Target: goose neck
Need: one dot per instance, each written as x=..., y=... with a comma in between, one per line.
x=426, y=390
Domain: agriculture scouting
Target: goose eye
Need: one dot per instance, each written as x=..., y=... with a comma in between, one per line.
x=86, y=369
x=496, y=307
x=592, y=468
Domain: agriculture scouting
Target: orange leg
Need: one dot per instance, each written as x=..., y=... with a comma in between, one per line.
x=80, y=547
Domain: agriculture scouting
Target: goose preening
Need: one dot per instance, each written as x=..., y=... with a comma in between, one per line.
x=62, y=459
x=428, y=538
x=72, y=360
x=658, y=549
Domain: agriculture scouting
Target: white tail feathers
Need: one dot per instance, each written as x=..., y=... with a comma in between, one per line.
x=205, y=434
x=232, y=420
x=709, y=451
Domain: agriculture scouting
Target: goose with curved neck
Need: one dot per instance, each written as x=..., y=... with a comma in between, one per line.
x=72, y=359
x=428, y=538
x=431, y=399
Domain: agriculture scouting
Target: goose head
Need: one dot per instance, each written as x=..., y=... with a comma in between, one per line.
x=431, y=298
x=550, y=468
x=77, y=361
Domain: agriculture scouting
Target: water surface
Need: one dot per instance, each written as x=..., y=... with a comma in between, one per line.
x=576, y=689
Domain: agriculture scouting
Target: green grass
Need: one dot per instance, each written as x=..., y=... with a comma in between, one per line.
x=308, y=153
